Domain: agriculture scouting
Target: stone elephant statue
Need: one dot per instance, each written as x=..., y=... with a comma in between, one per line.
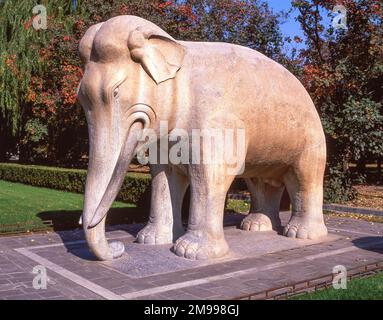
x=137, y=76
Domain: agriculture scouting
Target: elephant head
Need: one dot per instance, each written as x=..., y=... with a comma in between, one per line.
x=126, y=59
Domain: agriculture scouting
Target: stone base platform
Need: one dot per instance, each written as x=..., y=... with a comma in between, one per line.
x=260, y=265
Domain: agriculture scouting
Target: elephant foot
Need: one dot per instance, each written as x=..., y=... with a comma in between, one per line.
x=155, y=234
x=197, y=246
x=303, y=228
x=257, y=222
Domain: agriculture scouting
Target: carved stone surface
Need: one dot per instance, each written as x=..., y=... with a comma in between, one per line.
x=136, y=76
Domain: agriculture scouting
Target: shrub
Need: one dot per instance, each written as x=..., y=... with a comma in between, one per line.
x=338, y=185
x=134, y=188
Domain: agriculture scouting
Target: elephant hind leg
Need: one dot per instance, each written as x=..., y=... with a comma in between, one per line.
x=265, y=202
x=304, y=183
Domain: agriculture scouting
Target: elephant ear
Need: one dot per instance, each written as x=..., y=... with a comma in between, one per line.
x=160, y=56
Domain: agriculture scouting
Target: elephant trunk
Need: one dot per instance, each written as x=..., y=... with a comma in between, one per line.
x=106, y=172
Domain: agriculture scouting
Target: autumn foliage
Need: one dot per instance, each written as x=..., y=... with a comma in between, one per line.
x=48, y=124
x=342, y=70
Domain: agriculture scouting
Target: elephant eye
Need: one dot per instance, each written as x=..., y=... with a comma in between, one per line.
x=115, y=93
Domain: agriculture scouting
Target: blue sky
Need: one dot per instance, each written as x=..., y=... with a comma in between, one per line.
x=291, y=27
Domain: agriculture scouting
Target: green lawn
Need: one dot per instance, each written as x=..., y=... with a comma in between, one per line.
x=25, y=204
x=29, y=206
x=237, y=206
x=370, y=288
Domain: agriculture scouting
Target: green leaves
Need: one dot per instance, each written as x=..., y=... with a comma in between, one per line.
x=36, y=130
x=39, y=70
x=346, y=85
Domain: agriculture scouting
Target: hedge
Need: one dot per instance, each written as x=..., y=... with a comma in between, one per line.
x=133, y=190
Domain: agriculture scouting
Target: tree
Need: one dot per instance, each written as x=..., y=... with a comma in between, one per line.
x=17, y=62
x=21, y=67
x=342, y=69
x=39, y=113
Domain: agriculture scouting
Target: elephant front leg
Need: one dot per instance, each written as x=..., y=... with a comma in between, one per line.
x=204, y=238
x=168, y=190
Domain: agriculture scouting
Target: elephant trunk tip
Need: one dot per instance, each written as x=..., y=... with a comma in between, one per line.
x=105, y=251
x=98, y=244
x=117, y=249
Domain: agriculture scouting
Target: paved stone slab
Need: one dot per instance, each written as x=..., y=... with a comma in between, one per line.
x=155, y=260
x=269, y=267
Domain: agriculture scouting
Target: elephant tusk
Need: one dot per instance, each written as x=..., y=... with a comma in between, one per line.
x=118, y=176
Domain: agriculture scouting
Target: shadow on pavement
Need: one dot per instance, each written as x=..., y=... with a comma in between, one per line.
x=374, y=244
x=66, y=225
